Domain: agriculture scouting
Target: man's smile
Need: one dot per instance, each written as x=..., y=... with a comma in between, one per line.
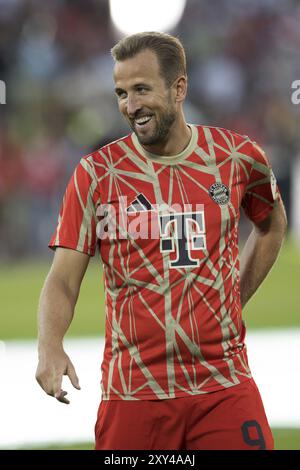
x=143, y=122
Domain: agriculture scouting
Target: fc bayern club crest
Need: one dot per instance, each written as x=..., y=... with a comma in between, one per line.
x=219, y=193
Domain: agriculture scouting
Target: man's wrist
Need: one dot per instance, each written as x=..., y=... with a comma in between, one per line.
x=45, y=344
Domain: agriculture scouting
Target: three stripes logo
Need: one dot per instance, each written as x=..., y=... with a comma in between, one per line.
x=139, y=204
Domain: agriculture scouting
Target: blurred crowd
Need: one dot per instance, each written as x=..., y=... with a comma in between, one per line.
x=55, y=60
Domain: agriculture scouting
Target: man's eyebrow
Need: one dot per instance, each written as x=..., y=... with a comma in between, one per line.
x=135, y=86
x=145, y=85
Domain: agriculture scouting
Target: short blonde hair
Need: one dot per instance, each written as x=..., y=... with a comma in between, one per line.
x=168, y=49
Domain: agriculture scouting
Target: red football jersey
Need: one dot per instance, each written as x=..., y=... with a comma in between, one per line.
x=167, y=230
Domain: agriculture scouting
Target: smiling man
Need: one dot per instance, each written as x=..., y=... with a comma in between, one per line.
x=150, y=102
x=175, y=373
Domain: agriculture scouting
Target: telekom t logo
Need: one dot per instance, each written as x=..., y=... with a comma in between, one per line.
x=182, y=232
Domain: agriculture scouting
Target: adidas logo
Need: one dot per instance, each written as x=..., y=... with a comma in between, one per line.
x=140, y=204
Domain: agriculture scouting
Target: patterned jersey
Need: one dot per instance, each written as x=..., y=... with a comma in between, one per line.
x=167, y=231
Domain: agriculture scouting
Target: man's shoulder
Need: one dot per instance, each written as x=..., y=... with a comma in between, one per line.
x=109, y=150
x=221, y=133
x=234, y=141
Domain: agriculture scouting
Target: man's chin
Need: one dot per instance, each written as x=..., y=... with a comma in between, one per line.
x=144, y=139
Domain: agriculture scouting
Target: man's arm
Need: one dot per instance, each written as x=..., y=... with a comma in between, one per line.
x=56, y=310
x=261, y=250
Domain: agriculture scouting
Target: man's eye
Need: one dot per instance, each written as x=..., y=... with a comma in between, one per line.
x=141, y=89
x=121, y=95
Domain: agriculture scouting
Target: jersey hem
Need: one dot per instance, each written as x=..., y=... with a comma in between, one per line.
x=181, y=394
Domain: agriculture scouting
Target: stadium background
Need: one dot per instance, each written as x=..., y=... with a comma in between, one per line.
x=54, y=58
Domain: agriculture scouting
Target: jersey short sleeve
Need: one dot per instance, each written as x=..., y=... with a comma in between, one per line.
x=76, y=227
x=262, y=191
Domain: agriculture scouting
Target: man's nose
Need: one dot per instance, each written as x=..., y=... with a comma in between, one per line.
x=133, y=105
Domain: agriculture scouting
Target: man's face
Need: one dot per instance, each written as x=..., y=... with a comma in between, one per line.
x=144, y=99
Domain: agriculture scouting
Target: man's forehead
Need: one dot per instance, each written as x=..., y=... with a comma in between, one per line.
x=141, y=66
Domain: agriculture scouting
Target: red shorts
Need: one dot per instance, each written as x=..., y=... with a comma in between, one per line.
x=233, y=418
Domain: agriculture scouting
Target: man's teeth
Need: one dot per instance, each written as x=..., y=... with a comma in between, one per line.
x=143, y=120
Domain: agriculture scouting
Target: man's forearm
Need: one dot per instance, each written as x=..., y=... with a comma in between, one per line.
x=258, y=256
x=56, y=309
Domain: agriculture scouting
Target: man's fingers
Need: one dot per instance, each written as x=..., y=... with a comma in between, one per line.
x=50, y=377
x=57, y=385
x=73, y=376
x=60, y=396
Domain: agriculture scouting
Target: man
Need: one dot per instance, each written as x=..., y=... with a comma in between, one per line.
x=165, y=202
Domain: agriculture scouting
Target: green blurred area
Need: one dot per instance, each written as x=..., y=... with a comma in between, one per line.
x=285, y=439
x=20, y=287
x=276, y=303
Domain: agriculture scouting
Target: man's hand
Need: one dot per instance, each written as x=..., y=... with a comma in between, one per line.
x=53, y=364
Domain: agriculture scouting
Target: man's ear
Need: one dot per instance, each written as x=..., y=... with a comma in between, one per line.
x=180, y=88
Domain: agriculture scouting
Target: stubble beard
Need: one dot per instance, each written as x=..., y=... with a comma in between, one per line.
x=161, y=131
